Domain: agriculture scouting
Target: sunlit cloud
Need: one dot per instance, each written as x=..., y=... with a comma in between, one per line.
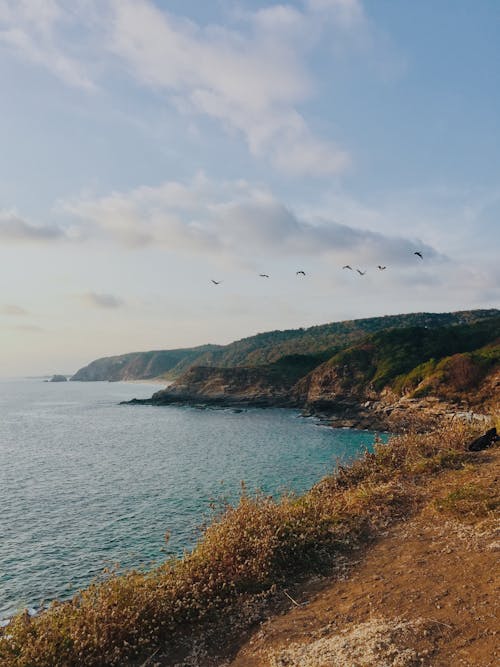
x=233, y=220
x=253, y=77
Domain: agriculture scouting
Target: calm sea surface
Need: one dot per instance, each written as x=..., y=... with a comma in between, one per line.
x=86, y=483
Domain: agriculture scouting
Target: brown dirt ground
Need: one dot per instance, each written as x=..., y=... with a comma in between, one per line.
x=426, y=593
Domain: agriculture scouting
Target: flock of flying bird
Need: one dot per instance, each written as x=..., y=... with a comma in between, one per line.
x=346, y=266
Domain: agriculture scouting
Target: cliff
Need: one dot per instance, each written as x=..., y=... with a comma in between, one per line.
x=456, y=364
x=390, y=376
x=268, y=385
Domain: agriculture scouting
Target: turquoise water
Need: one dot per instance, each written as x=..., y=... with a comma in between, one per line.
x=86, y=483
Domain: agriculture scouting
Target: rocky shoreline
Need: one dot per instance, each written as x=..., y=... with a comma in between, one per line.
x=377, y=415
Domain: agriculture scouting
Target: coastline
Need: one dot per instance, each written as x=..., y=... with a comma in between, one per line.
x=99, y=438
x=157, y=380
x=264, y=559
x=379, y=415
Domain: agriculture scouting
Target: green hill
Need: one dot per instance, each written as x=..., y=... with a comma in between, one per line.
x=266, y=348
x=138, y=365
x=415, y=361
x=393, y=354
x=456, y=366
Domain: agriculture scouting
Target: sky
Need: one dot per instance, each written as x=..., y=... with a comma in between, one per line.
x=149, y=147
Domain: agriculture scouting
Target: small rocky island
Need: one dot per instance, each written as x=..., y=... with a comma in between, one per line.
x=58, y=378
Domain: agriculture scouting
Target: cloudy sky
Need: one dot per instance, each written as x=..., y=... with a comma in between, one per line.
x=150, y=146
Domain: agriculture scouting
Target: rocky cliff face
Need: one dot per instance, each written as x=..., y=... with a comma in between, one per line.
x=345, y=389
x=326, y=392
x=338, y=382
x=389, y=379
x=259, y=386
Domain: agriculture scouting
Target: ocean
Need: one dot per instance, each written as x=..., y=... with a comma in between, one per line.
x=88, y=484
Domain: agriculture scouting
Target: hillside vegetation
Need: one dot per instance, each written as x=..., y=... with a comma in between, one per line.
x=457, y=366
x=451, y=376
x=265, y=348
x=138, y=365
x=416, y=361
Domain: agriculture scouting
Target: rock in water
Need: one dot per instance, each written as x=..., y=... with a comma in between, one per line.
x=58, y=378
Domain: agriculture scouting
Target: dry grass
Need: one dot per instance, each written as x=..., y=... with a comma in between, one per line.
x=470, y=502
x=376, y=643
x=247, y=553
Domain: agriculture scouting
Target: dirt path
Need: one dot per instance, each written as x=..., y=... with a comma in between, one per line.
x=426, y=594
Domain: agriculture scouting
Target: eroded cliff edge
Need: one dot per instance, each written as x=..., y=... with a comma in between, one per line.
x=388, y=377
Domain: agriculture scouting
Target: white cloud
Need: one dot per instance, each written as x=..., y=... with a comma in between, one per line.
x=42, y=12
x=29, y=28
x=232, y=220
x=27, y=328
x=252, y=78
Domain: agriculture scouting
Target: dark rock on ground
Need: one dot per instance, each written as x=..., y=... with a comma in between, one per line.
x=484, y=441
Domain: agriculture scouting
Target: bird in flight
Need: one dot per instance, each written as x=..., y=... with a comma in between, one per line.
x=361, y=273
x=298, y=273
x=263, y=275
x=216, y=282
x=347, y=267
x=382, y=268
x=419, y=254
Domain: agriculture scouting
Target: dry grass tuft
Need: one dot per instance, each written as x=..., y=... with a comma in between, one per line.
x=377, y=643
x=244, y=556
x=470, y=502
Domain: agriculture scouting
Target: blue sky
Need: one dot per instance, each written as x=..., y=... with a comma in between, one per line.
x=148, y=147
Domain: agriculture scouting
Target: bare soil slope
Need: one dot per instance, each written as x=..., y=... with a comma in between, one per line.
x=425, y=594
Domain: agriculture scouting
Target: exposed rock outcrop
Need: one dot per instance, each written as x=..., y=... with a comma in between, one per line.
x=264, y=386
x=390, y=380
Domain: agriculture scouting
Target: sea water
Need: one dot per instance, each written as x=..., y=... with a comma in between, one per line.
x=86, y=483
